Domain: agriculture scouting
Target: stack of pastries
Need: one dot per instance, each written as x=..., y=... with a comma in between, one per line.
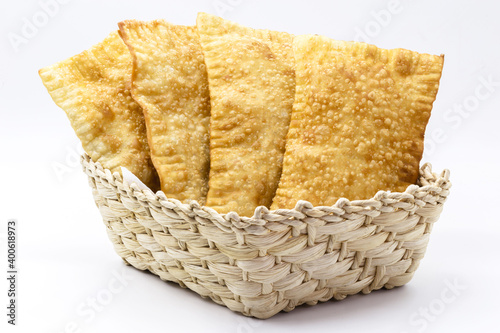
x=236, y=118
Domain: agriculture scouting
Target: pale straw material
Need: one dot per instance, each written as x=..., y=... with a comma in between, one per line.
x=275, y=260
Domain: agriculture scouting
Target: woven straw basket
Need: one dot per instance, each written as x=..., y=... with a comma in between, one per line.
x=275, y=260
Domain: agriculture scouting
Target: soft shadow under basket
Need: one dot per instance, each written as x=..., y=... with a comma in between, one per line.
x=275, y=260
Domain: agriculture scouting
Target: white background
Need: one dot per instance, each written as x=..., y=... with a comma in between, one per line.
x=65, y=258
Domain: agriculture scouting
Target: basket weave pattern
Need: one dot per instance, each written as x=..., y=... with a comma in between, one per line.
x=275, y=260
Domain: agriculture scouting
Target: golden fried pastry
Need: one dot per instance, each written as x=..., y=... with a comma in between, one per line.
x=93, y=88
x=252, y=85
x=358, y=120
x=170, y=83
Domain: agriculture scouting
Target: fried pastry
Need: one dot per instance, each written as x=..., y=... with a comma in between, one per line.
x=252, y=84
x=93, y=88
x=170, y=83
x=358, y=120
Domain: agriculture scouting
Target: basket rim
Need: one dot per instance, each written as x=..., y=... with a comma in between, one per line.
x=433, y=189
